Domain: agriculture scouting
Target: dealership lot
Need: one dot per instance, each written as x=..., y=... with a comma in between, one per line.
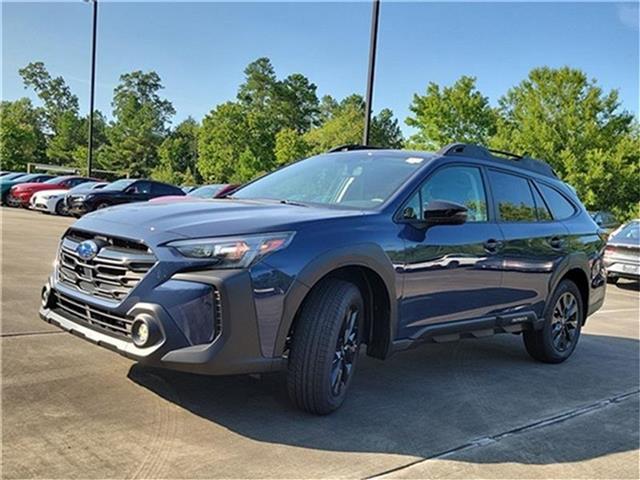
x=471, y=409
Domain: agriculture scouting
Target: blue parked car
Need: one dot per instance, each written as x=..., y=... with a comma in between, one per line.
x=302, y=268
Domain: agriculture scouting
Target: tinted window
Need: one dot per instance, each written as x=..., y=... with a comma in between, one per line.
x=141, y=187
x=513, y=197
x=541, y=207
x=461, y=185
x=161, y=189
x=560, y=207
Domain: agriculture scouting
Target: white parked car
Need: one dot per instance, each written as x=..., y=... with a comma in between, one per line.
x=52, y=201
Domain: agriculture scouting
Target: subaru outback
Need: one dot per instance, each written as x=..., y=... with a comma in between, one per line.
x=358, y=248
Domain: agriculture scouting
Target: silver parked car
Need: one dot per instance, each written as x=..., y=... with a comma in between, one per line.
x=622, y=255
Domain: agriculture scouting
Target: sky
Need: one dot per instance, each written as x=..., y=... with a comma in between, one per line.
x=201, y=49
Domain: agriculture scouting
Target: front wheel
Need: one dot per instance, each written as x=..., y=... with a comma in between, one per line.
x=60, y=208
x=557, y=340
x=325, y=346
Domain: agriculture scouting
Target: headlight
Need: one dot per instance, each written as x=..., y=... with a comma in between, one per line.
x=233, y=252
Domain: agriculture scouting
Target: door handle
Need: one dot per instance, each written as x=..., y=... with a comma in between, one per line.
x=555, y=242
x=492, y=245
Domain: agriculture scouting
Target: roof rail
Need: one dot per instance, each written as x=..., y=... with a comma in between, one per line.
x=483, y=153
x=352, y=146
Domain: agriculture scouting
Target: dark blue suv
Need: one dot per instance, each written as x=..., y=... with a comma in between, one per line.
x=301, y=268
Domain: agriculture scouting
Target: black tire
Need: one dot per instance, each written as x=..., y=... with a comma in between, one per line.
x=60, y=208
x=102, y=205
x=612, y=280
x=563, y=319
x=316, y=373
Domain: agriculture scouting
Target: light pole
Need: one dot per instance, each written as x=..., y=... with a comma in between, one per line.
x=375, y=13
x=93, y=84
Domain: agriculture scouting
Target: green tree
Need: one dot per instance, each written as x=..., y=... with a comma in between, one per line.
x=223, y=137
x=297, y=103
x=290, y=146
x=62, y=124
x=140, y=125
x=344, y=124
x=21, y=137
x=561, y=116
x=54, y=92
x=459, y=113
x=178, y=154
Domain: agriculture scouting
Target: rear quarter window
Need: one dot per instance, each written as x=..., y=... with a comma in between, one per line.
x=561, y=208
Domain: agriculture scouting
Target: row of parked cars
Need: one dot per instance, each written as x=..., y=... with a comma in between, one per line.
x=77, y=195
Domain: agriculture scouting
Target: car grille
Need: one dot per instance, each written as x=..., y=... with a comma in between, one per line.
x=93, y=317
x=111, y=274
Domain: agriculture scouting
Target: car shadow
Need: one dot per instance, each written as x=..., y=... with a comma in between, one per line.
x=422, y=402
x=632, y=285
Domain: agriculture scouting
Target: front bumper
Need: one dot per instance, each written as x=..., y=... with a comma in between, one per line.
x=235, y=348
x=42, y=205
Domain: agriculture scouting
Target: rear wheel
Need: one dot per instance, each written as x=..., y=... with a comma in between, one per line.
x=557, y=340
x=325, y=346
x=102, y=205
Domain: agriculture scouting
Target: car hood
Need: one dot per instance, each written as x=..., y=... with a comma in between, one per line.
x=22, y=187
x=155, y=223
x=49, y=192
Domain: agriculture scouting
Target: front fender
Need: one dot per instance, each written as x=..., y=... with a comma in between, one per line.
x=367, y=255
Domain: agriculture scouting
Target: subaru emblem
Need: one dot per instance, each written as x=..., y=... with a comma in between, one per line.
x=87, y=249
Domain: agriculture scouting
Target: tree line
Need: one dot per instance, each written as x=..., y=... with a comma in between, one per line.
x=559, y=115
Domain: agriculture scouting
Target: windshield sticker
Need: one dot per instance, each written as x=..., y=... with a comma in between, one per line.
x=414, y=160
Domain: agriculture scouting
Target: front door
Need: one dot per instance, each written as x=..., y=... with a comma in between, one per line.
x=450, y=272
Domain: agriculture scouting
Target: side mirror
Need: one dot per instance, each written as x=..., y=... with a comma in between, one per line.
x=440, y=212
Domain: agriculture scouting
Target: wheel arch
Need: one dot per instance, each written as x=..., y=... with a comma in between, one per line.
x=579, y=278
x=372, y=271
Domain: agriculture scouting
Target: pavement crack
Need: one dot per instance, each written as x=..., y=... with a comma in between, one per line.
x=535, y=425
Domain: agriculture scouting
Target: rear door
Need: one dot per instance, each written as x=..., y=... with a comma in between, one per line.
x=450, y=272
x=535, y=242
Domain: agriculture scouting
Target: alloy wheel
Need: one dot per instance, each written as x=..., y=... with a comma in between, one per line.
x=564, y=322
x=346, y=351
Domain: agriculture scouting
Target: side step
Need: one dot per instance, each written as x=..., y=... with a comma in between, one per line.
x=474, y=328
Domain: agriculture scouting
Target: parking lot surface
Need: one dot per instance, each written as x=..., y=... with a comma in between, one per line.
x=474, y=409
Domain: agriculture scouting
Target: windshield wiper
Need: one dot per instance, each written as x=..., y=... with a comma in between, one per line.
x=272, y=200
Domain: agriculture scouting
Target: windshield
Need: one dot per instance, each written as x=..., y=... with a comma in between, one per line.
x=207, y=191
x=630, y=233
x=57, y=180
x=119, y=184
x=11, y=176
x=83, y=186
x=351, y=179
x=28, y=177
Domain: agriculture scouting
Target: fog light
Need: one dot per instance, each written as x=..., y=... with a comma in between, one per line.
x=144, y=331
x=46, y=296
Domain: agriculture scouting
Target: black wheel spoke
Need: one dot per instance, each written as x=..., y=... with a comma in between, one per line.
x=346, y=351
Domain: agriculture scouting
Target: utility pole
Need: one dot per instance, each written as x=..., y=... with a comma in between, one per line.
x=93, y=84
x=375, y=13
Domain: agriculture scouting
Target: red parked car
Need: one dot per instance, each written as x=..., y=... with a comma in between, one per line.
x=20, y=194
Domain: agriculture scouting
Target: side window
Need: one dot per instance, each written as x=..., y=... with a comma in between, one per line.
x=561, y=208
x=457, y=184
x=513, y=197
x=75, y=181
x=160, y=189
x=541, y=206
x=143, y=187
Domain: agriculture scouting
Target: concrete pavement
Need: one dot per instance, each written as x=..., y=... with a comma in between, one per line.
x=479, y=408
